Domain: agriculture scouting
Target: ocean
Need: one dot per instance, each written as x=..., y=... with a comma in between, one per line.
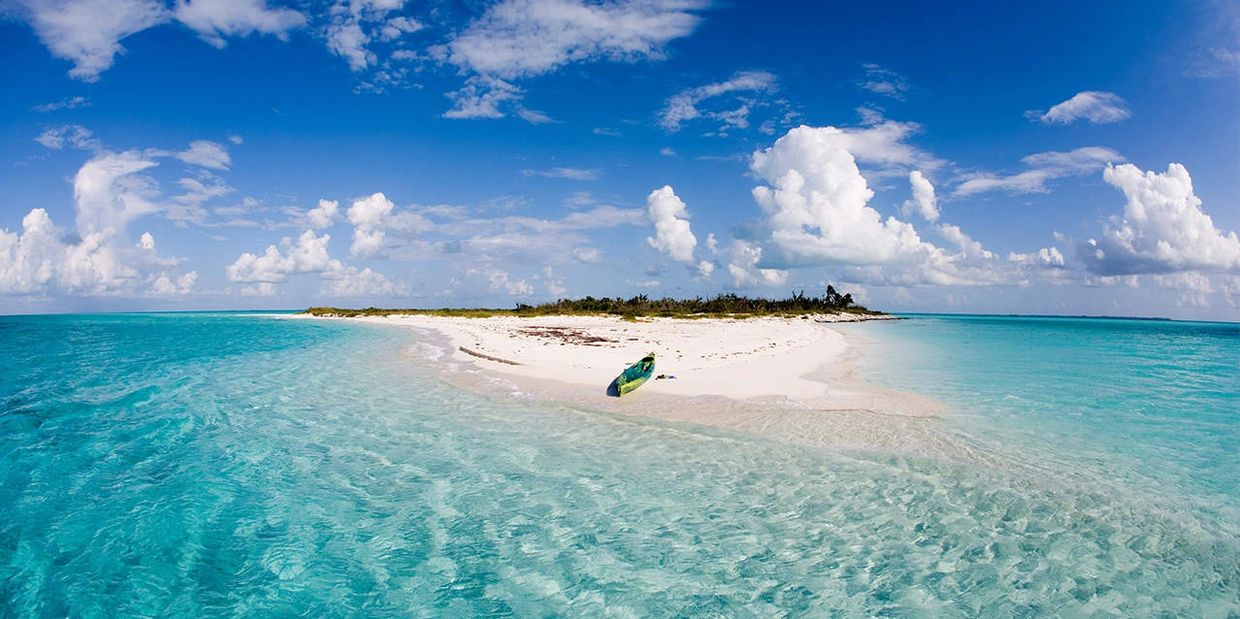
x=222, y=464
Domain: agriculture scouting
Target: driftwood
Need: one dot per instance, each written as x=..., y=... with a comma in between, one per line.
x=475, y=353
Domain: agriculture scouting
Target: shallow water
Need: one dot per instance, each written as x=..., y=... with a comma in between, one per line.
x=200, y=464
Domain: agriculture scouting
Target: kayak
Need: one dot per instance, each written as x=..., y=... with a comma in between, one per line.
x=635, y=375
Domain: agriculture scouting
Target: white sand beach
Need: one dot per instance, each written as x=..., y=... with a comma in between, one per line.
x=796, y=365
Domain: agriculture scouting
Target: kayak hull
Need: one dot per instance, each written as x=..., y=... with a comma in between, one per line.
x=635, y=375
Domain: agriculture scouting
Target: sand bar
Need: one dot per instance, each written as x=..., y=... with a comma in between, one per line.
x=793, y=362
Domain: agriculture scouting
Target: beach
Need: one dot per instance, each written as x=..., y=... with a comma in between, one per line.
x=789, y=377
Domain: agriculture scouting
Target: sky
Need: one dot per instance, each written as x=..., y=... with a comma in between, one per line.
x=972, y=157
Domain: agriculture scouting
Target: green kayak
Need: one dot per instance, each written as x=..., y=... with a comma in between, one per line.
x=635, y=375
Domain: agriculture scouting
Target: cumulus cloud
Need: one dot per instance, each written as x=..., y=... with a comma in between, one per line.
x=744, y=258
x=109, y=192
x=1092, y=105
x=683, y=106
x=215, y=19
x=373, y=217
x=816, y=213
x=1162, y=229
x=923, y=202
x=37, y=259
x=673, y=236
x=816, y=202
x=166, y=285
x=1042, y=167
x=1047, y=257
x=323, y=215
x=367, y=216
x=524, y=38
x=307, y=255
x=364, y=283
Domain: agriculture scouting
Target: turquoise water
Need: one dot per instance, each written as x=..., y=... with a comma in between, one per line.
x=206, y=465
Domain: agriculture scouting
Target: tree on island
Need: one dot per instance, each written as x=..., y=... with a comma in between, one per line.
x=835, y=299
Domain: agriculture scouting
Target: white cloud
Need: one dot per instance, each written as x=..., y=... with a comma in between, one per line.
x=525, y=38
x=882, y=81
x=261, y=289
x=88, y=32
x=576, y=174
x=110, y=193
x=587, y=255
x=166, y=285
x=215, y=19
x=815, y=203
x=870, y=114
x=351, y=282
x=76, y=136
x=347, y=40
x=1095, y=106
x=1047, y=257
x=481, y=98
x=188, y=207
x=206, y=154
x=683, y=106
x=1162, y=229
x=236, y=139
x=308, y=255
x=324, y=214
x=673, y=236
x=553, y=282
x=68, y=103
x=1043, y=167
x=534, y=117
x=367, y=216
x=397, y=27
x=373, y=217
x=667, y=152
x=923, y=202
x=38, y=260
x=500, y=281
x=743, y=267
x=356, y=23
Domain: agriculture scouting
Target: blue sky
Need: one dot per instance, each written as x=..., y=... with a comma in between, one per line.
x=1076, y=158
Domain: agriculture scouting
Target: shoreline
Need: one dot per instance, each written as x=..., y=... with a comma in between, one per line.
x=791, y=379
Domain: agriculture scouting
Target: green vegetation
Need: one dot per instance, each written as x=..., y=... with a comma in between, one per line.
x=724, y=305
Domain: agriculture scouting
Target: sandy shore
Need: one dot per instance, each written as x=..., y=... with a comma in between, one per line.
x=794, y=363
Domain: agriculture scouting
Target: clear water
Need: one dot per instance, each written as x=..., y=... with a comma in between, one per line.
x=203, y=465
